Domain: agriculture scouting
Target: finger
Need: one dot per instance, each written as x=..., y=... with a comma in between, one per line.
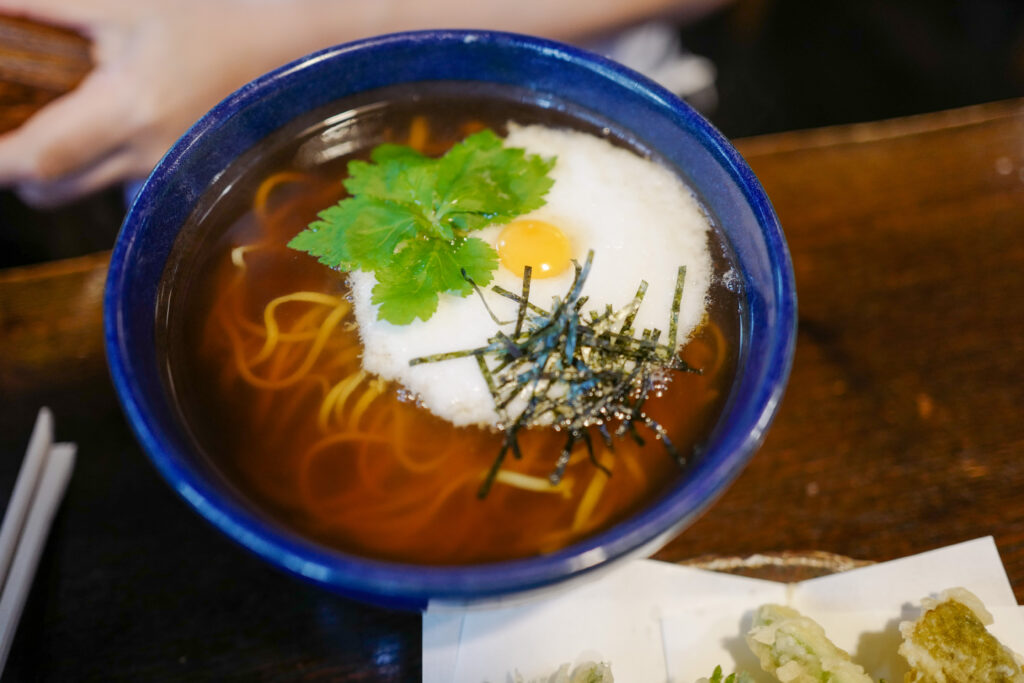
x=109, y=170
x=70, y=133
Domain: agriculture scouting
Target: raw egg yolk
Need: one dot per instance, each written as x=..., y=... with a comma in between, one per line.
x=534, y=243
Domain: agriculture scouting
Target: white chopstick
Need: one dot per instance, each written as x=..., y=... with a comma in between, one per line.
x=24, y=488
x=37, y=494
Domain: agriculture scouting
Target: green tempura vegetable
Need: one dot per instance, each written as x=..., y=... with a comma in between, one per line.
x=794, y=649
x=949, y=644
x=587, y=672
x=717, y=677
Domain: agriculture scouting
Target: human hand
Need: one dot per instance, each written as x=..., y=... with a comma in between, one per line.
x=159, y=66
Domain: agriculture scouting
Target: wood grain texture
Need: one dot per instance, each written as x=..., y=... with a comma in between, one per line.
x=38, y=63
x=900, y=430
x=51, y=319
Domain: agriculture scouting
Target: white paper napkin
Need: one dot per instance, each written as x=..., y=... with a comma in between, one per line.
x=655, y=621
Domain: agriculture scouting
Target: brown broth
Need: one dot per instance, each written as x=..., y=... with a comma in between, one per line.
x=391, y=481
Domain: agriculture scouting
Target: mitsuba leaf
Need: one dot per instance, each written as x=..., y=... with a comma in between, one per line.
x=374, y=229
x=407, y=182
x=408, y=219
x=392, y=152
x=479, y=261
x=480, y=182
x=431, y=262
x=323, y=239
x=426, y=267
x=401, y=301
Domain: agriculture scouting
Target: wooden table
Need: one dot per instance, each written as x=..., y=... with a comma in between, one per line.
x=902, y=428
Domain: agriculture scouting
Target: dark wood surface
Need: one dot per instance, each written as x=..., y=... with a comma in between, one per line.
x=901, y=429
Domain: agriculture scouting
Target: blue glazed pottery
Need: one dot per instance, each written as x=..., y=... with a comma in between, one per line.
x=662, y=122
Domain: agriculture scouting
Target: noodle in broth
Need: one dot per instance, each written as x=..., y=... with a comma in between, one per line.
x=272, y=367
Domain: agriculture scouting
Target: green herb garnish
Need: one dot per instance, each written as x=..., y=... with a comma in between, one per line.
x=409, y=217
x=741, y=677
x=574, y=372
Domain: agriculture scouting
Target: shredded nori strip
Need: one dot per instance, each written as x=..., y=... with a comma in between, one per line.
x=575, y=374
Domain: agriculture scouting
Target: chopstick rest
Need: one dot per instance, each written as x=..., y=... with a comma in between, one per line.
x=40, y=486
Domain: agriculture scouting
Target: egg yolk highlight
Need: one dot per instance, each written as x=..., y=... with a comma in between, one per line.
x=537, y=244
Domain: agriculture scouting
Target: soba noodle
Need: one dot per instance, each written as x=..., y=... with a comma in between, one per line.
x=352, y=461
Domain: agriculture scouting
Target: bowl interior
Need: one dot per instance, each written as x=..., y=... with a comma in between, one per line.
x=661, y=122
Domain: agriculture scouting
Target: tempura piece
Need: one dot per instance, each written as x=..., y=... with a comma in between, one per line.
x=591, y=672
x=716, y=677
x=587, y=672
x=794, y=649
x=949, y=643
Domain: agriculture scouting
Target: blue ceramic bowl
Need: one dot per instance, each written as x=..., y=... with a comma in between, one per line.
x=661, y=121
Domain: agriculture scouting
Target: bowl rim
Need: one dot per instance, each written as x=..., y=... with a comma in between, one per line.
x=407, y=583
